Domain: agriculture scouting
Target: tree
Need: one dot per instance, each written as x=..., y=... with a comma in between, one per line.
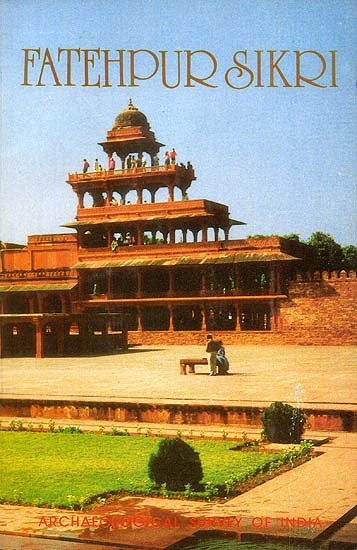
x=292, y=237
x=328, y=253
x=349, y=259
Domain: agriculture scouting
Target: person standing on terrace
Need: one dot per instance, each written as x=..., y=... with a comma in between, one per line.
x=173, y=156
x=85, y=166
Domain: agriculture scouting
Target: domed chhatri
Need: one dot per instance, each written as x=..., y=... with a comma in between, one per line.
x=131, y=134
x=131, y=116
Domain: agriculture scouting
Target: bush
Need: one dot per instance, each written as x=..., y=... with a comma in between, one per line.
x=175, y=464
x=283, y=423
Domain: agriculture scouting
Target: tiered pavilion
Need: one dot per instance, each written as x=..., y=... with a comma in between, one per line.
x=144, y=257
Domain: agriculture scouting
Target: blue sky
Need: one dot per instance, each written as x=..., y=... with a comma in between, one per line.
x=283, y=159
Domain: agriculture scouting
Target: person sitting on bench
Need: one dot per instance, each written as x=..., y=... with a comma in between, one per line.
x=222, y=361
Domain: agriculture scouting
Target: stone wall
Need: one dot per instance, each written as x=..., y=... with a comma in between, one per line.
x=320, y=310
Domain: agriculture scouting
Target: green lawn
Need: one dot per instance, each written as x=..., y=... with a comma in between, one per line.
x=45, y=468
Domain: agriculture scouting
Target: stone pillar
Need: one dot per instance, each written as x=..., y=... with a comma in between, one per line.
x=216, y=235
x=139, y=240
x=237, y=279
x=60, y=338
x=39, y=340
x=109, y=196
x=272, y=286
x=31, y=304
x=172, y=235
x=204, y=282
x=171, y=193
x=184, y=235
x=140, y=283
x=110, y=236
x=278, y=271
x=204, y=233
x=40, y=302
x=171, y=324
x=139, y=195
x=226, y=233
x=80, y=196
x=237, y=327
x=171, y=282
x=109, y=284
x=274, y=315
x=63, y=302
x=204, y=317
x=140, y=319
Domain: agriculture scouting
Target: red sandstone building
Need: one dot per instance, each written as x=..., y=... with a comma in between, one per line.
x=158, y=270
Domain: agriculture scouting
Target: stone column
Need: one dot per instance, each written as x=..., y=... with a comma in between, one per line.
x=237, y=327
x=109, y=284
x=171, y=282
x=139, y=240
x=80, y=196
x=139, y=195
x=109, y=196
x=172, y=235
x=204, y=317
x=204, y=282
x=171, y=324
x=60, y=338
x=140, y=283
x=31, y=304
x=39, y=340
x=63, y=302
x=40, y=302
x=171, y=193
x=140, y=320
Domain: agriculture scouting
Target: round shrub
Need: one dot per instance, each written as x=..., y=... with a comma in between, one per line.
x=283, y=423
x=176, y=464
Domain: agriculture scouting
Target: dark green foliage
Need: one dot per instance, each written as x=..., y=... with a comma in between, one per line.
x=328, y=253
x=283, y=423
x=349, y=257
x=175, y=463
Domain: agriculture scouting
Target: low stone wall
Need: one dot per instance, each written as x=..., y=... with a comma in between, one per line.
x=173, y=413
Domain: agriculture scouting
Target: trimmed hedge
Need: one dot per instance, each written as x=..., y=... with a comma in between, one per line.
x=175, y=464
x=283, y=423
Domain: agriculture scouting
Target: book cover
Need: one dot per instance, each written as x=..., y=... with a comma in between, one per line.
x=252, y=105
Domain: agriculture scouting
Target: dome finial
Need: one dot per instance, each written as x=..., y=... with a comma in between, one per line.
x=131, y=107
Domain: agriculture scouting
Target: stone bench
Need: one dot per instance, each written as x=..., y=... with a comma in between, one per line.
x=190, y=363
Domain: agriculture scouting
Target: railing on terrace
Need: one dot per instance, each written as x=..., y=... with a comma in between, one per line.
x=61, y=273
x=125, y=172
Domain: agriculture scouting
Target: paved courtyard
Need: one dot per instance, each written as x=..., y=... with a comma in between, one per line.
x=258, y=375
x=299, y=375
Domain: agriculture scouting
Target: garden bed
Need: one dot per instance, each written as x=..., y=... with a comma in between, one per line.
x=73, y=470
